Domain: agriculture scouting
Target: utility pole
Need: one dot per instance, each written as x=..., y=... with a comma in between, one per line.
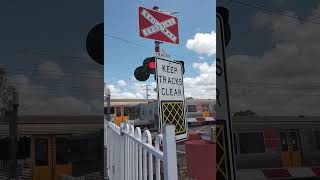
x=10, y=103
x=147, y=89
x=12, y=115
x=108, y=104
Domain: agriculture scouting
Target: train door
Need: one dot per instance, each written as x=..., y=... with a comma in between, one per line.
x=205, y=110
x=61, y=165
x=48, y=158
x=290, y=148
x=41, y=156
x=119, y=116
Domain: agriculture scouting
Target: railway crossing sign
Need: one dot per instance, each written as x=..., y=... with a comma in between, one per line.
x=158, y=26
x=225, y=150
x=171, y=101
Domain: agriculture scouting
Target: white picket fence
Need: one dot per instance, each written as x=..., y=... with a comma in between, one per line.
x=132, y=156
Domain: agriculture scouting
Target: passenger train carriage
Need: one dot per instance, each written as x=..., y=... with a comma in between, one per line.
x=52, y=146
x=143, y=112
x=121, y=108
x=276, y=141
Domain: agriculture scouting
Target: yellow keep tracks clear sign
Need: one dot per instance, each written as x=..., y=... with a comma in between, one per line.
x=171, y=101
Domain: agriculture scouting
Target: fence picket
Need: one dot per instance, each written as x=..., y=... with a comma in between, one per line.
x=132, y=156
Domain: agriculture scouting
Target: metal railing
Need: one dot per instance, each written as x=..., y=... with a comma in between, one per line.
x=131, y=155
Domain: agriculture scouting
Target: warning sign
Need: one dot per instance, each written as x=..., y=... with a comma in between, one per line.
x=169, y=76
x=225, y=151
x=158, y=26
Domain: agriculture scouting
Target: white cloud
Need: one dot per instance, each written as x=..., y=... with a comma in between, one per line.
x=203, y=43
x=66, y=106
x=121, y=83
x=289, y=68
x=132, y=90
x=40, y=100
x=202, y=85
x=50, y=70
x=92, y=79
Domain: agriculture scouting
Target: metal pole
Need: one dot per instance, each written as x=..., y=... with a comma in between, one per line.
x=109, y=117
x=108, y=105
x=156, y=43
x=12, y=117
x=157, y=47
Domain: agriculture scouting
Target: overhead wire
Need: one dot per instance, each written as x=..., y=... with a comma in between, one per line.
x=273, y=11
x=250, y=85
x=142, y=46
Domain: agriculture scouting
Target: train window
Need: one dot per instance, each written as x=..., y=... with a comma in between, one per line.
x=192, y=108
x=118, y=111
x=284, y=141
x=112, y=110
x=251, y=142
x=61, y=150
x=317, y=139
x=41, y=152
x=125, y=111
x=294, y=141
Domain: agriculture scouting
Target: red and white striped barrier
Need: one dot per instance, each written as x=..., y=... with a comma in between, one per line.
x=200, y=121
x=278, y=173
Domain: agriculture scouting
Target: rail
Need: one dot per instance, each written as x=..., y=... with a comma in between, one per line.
x=131, y=154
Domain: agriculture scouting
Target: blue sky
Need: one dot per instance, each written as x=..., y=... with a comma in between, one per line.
x=121, y=58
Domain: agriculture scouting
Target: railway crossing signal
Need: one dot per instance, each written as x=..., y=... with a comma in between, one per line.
x=161, y=27
x=142, y=73
x=150, y=64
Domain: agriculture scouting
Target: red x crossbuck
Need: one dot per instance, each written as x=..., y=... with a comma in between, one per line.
x=158, y=26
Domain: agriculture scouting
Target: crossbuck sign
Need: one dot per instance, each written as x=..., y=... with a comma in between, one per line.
x=171, y=104
x=158, y=26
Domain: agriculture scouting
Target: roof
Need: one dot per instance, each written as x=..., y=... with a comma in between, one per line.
x=30, y=125
x=276, y=118
x=92, y=119
x=142, y=101
x=129, y=101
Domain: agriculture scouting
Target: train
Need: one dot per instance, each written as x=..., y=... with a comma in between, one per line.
x=276, y=141
x=49, y=147
x=144, y=112
x=264, y=141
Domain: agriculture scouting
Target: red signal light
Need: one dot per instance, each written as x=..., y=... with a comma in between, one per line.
x=152, y=65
